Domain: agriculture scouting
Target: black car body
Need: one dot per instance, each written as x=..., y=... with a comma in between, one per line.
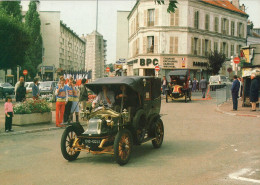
x=8, y=89
x=133, y=120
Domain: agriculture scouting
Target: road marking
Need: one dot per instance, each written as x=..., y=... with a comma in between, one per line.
x=237, y=175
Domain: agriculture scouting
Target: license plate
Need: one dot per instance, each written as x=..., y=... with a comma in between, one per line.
x=92, y=141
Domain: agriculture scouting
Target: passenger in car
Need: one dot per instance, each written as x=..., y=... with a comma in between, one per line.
x=106, y=97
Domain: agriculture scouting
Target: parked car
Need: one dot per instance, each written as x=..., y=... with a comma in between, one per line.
x=47, y=87
x=28, y=86
x=8, y=89
x=218, y=81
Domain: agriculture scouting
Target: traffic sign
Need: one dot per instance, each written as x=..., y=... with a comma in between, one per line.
x=107, y=69
x=25, y=72
x=236, y=60
x=157, y=68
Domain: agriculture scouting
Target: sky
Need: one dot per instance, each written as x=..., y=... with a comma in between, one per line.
x=80, y=16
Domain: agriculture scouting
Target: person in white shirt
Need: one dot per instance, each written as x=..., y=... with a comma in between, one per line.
x=105, y=97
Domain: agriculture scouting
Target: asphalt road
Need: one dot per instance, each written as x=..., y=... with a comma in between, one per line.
x=201, y=146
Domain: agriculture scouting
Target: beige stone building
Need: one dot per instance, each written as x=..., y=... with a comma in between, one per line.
x=63, y=49
x=183, y=39
x=95, y=54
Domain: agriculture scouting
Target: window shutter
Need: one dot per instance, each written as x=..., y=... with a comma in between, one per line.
x=155, y=44
x=227, y=27
x=172, y=19
x=238, y=29
x=156, y=21
x=203, y=47
x=243, y=31
x=176, y=45
x=221, y=47
x=209, y=48
x=171, y=45
x=227, y=54
x=198, y=21
x=145, y=18
x=137, y=46
x=199, y=47
x=192, y=45
x=177, y=17
x=195, y=18
x=144, y=45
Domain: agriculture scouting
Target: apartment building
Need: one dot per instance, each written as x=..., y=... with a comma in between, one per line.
x=183, y=39
x=95, y=54
x=63, y=49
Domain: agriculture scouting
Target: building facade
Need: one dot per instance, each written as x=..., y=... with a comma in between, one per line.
x=182, y=39
x=95, y=54
x=63, y=49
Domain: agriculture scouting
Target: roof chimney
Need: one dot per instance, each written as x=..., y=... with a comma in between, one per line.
x=243, y=8
x=235, y=3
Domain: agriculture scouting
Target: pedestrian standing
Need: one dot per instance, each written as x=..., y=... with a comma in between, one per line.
x=61, y=94
x=240, y=87
x=75, y=103
x=203, y=86
x=70, y=91
x=35, y=89
x=254, y=87
x=18, y=84
x=164, y=84
x=9, y=114
x=83, y=97
x=194, y=84
x=234, y=90
x=20, y=93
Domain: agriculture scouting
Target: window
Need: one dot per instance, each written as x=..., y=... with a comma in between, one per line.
x=216, y=24
x=174, y=18
x=174, y=45
x=150, y=48
x=240, y=30
x=206, y=47
x=151, y=17
x=232, y=28
x=196, y=19
x=224, y=49
x=195, y=49
x=207, y=22
x=216, y=46
x=232, y=50
x=225, y=26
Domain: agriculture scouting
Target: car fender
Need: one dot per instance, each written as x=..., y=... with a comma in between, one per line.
x=78, y=127
x=152, y=118
x=137, y=117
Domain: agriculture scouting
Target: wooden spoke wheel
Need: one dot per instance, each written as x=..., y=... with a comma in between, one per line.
x=68, y=137
x=158, y=133
x=123, y=145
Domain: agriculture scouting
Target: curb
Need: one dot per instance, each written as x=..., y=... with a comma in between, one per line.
x=33, y=131
x=235, y=114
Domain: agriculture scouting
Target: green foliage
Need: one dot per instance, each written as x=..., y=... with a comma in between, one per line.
x=171, y=7
x=32, y=106
x=14, y=39
x=216, y=61
x=12, y=8
x=34, y=54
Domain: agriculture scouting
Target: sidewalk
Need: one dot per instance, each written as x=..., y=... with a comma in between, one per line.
x=227, y=107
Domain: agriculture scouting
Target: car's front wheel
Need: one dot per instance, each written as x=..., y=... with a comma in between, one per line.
x=123, y=145
x=68, y=137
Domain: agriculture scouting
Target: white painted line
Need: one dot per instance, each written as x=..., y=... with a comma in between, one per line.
x=237, y=175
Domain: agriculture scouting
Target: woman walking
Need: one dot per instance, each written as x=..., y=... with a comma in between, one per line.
x=9, y=114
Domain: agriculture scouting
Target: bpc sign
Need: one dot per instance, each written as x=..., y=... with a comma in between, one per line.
x=148, y=61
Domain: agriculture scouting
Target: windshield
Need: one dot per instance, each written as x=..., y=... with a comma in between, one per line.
x=214, y=79
x=45, y=84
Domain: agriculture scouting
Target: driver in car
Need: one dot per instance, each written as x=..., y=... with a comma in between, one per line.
x=105, y=97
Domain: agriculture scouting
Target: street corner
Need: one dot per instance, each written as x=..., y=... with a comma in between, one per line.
x=227, y=108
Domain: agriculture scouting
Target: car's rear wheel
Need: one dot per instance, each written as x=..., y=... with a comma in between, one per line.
x=68, y=137
x=158, y=130
x=123, y=145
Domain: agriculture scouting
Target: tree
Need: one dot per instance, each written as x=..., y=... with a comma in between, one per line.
x=216, y=61
x=13, y=9
x=171, y=7
x=14, y=41
x=34, y=54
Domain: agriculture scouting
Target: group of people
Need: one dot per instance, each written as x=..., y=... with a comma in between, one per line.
x=237, y=88
x=67, y=100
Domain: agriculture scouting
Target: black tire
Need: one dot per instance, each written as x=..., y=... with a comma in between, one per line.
x=139, y=131
x=67, y=140
x=158, y=130
x=123, y=146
